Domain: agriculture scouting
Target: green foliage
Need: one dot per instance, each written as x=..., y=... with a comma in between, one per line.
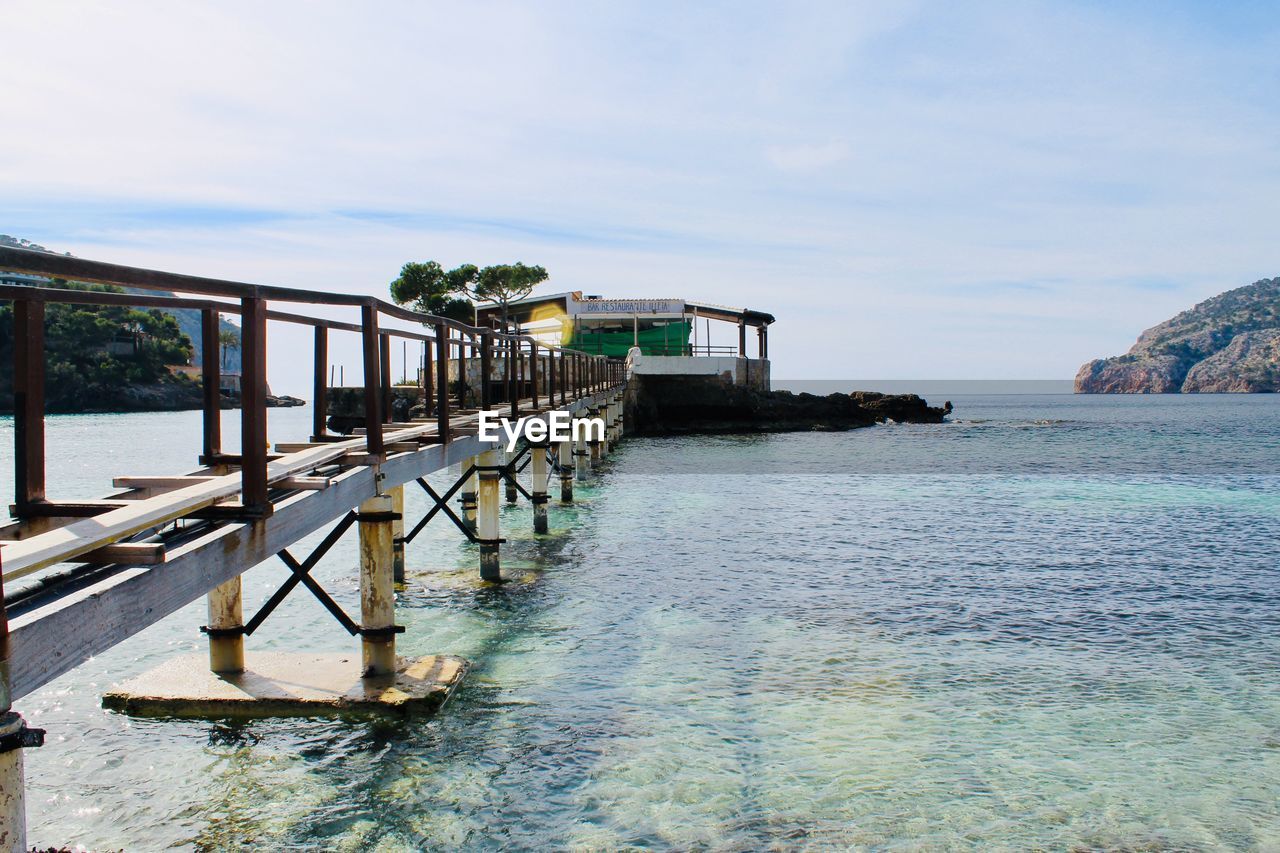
x=91, y=351
x=227, y=341
x=505, y=283
x=429, y=289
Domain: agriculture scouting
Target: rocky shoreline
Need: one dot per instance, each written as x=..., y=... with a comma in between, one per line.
x=170, y=396
x=684, y=405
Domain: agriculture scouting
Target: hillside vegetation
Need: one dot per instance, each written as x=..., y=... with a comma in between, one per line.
x=1230, y=343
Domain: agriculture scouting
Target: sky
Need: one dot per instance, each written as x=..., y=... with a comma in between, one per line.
x=914, y=190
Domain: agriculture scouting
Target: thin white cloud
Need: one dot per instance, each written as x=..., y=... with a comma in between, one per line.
x=843, y=165
x=807, y=157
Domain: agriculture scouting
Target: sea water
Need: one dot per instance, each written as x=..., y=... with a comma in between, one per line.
x=1052, y=622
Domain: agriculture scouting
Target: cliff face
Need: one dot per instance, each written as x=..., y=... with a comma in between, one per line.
x=1230, y=343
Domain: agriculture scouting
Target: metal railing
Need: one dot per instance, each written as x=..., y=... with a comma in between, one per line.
x=544, y=371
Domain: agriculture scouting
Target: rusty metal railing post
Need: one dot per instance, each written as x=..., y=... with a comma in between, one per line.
x=564, y=378
x=533, y=373
x=210, y=384
x=513, y=369
x=442, y=382
x=428, y=378
x=28, y=402
x=486, y=364
x=372, y=378
x=462, y=371
x=253, y=406
x=551, y=378
x=384, y=376
x=506, y=370
x=320, y=382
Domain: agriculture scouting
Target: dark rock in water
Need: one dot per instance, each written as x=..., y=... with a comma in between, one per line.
x=1230, y=343
x=284, y=401
x=165, y=396
x=676, y=405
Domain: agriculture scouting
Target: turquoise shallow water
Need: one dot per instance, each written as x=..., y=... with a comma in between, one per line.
x=1050, y=623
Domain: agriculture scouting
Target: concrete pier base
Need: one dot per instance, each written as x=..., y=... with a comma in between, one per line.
x=538, y=494
x=511, y=493
x=275, y=684
x=564, y=458
x=397, y=533
x=594, y=445
x=13, y=798
x=377, y=588
x=467, y=497
x=487, y=517
x=226, y=618
x=581, y=459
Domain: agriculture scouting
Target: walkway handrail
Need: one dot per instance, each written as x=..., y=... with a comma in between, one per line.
x=579, y=373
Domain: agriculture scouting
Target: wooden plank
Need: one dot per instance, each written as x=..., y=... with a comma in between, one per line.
x=31, y=555
x=72, y=509
x=27, y=556
x=310, y=484
x=61, y=634
x=145, y=482
x=127, y=553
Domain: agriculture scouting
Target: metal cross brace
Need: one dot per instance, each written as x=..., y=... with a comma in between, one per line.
x=442, y=504
x=302, y=575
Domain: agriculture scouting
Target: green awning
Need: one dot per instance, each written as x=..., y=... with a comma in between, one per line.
x=671, y=339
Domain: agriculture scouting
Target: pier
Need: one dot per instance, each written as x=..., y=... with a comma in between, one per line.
x=81, y=576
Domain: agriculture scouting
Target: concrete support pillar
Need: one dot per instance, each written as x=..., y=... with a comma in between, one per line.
x=487, y=519
x=603, y=412
x=564, y=456
x=512, y=494
x=377, y=587
x=13, y=799
x=581, y=458
x=538, y=465
x=226, y=618
x=594, y=444
x=467, y=498
x=397, y=532
x=622, y=416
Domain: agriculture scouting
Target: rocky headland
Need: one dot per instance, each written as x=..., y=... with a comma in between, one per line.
x=1230, y=343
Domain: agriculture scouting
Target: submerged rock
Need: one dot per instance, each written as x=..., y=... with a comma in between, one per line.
x=677, y=405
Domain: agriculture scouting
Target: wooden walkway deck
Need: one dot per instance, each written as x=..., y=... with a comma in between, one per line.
x=81, y=609
x=77, y=577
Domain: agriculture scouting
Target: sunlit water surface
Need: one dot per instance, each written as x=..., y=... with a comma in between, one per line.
x=1053, y=622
